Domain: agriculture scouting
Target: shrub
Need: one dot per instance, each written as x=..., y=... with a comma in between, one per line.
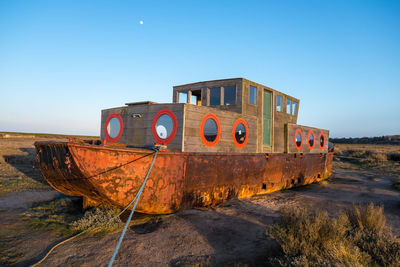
x=99, y=219
x=357, y=236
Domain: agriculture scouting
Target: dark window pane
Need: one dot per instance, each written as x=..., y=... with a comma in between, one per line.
x=311, y=140
x=164, y=126
x=229, y=95
x=253, y=95
x=298, y=139
x=210, y=130
x=215, y=96
x=321, y=141
x=279, y=103
x=240, y=133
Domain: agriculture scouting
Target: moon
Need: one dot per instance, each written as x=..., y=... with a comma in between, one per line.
x=141, y=22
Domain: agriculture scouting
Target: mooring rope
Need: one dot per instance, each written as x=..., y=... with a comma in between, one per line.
x=135, y=199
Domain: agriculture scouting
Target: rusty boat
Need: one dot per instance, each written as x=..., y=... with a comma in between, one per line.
x=221, y=139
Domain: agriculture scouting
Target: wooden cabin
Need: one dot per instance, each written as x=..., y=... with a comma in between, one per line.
x=227, y=116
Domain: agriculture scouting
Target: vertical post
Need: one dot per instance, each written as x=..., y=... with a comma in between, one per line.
x=189, y=96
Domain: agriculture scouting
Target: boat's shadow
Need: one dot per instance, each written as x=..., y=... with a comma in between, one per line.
x=26, y=163
x=236, y=231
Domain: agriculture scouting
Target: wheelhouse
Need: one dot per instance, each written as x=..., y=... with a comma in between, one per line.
x=229, y=116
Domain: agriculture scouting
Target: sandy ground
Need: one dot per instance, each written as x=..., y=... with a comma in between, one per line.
x=229, y=234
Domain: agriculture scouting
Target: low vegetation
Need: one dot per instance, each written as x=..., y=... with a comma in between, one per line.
x=358, y=236
x=55, y=215
x=384, y=159
x=65, y=216
x=379, y=140
x=99, y=219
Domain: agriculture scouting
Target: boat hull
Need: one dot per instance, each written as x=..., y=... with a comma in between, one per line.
x=178, y=180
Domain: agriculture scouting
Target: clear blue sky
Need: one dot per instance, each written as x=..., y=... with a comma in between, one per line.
x=61, y=62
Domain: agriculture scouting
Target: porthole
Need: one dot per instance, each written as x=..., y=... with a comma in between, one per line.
x=113, y=127
x=311, y=139
x=210, y=130
x=298, y=139
x=240, y=133
x=321, y=140
x=164, y=126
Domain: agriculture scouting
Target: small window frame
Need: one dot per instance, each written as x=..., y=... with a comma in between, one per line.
x=203, y=122
x=237, y=122
x=287, y=100
x=310, y=132
x=294, y=110
x=121, y=127
x=281, y=105
x=255, y=94
x=220, y=96
x=319, y=140
x=187, y=96
x=298, y=130
x=223, y=98
x=174, y=126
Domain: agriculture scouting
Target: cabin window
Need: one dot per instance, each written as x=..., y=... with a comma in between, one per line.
x=321, y=140
x=288, y=106
x=229, y=95
x=113, y=127
x=298, y=139
x=196, y=97
x=279, y=103
x=294, y=107
x=164, y=126
x=240, y=133
x=183, y=97
x=193, y=100
x=311, y=138
x=215, y=96
x=253, y=95
x=210, y=130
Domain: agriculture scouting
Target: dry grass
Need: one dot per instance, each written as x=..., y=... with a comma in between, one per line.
x=384, y=159
x=356, y=237
x=99, y=219
x=55, y=215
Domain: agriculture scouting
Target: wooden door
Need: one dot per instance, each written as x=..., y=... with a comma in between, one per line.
x=267, y=118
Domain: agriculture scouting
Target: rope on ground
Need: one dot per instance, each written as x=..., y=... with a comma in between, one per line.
x=136, y=199
x=137, y=196
x=59, y=244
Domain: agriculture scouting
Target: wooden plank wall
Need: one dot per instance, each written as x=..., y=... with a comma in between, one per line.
x=192, y=140
x=291, y=129
x=137, y=132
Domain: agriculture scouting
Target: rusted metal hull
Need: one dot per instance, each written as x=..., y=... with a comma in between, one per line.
x=178, y=180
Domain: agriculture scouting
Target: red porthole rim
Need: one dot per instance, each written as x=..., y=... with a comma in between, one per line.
x=174, y=126
x=121, y=127
x=203, y=122
x=237, y=122
x=295, y=143
x=311, y=132
x=319, y=141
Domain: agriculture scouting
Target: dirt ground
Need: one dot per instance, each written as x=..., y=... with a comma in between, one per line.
x=232, y=234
